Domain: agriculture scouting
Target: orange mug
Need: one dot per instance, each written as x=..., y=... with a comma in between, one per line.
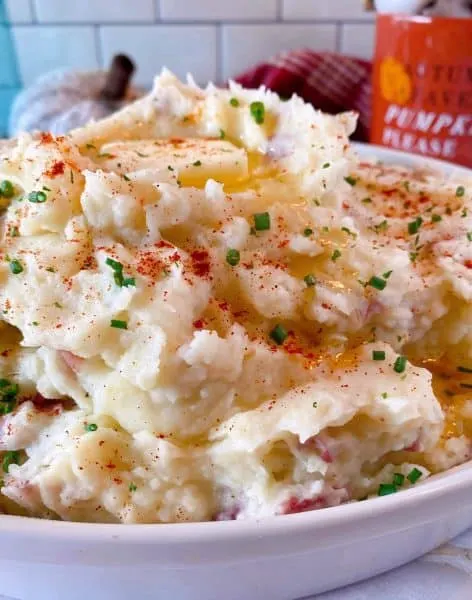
x=422, y=86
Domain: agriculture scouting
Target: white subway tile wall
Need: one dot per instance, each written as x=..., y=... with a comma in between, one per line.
x=19, y=11
x=245, y=45
x=182, y=48
x=213, y=39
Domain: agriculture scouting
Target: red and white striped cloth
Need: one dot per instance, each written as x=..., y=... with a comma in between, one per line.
x=331, y=82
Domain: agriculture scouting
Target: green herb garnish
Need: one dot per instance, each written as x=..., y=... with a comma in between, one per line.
x=336, y=254
x=233, y=257
x=262, y=221
x=10, y=458
x=350, y=180
x=414, y=226
x=400, y=364
x=310, y=280
x=117, y=324
x=91, y=427
x=414, y=475
x=257, y=110
x=377, y=282
x=37, y=197
x=378, y=355
x=6, y=189
x=460, y=191
x=279, y=334
x=386, y=488
x=16, y=267
x=398, y=479
x=234, y=102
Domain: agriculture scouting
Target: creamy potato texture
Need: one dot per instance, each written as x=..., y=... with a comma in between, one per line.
x=211, y=309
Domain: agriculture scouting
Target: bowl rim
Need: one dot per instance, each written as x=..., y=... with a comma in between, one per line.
x=411, y=501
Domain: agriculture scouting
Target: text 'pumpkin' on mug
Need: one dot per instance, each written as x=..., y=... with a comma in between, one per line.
x=423, y=86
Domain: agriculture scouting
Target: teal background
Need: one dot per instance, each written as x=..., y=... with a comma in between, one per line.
x=9, y=80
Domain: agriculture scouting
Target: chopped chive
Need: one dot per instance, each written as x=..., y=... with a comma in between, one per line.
x=233, y=257
x=6, y=189
x=257, y=110
x=315, y=404
x=349, y=232
x=414, y=226
x=58, y=305
x=16, y=267
x=90, y=146
x=469, y=236
x=50, y=269
x=336, y=254
x=37, y=197
x=10, y=458
x=460, y=191
x=387, y=274
x=170, y=168
x=414, y=475
x=46, y=189
x=384, y=395
x=377, y=282
x=262, y=221
x=386, y=488
x=316, y=202
x=222, y=134
x=398, y=479
x=307, y=232
x=400, y=364
x=413, y=256
x=138, y=153
x=114, y=264
x=234, y=102
x=382, y=226
x=436, y=218
x=120, y=280
x=350, y=180
x=132, y=487
x=71, y=176
x=91, y=427
x=197, y=163
x=464, y=369
x=14, y=232
x=279, y=334
x=378, y=354
x=310, y=280
x=125, y=177
x=117, y=324
x=326, y=165
x=406, y=185
x=366, y=200
x=464, y=213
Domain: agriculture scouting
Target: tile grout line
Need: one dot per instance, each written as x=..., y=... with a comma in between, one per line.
x=208, y=22
x=34, y=14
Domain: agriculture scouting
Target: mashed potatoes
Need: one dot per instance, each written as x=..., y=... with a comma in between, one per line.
x=210, y=309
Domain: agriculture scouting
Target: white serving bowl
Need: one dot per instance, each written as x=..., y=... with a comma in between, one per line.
x=278, y=558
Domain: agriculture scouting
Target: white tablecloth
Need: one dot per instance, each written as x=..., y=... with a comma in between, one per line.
x=445, y=574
